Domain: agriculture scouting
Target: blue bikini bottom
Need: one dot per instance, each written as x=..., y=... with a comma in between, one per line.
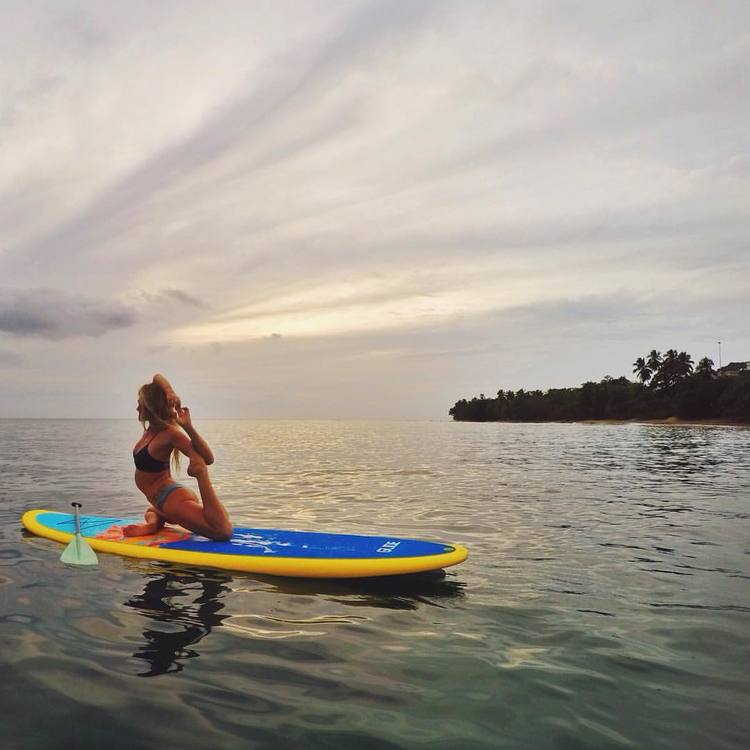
x=161, y=498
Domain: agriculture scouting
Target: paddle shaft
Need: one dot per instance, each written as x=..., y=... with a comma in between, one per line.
x=76, y=506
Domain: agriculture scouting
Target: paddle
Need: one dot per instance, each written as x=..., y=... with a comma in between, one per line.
x=78, y=552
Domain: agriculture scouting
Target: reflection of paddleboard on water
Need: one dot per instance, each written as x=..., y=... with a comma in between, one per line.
x=301, y=554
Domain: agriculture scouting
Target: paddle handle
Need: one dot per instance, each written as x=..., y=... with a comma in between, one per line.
x=76, y=506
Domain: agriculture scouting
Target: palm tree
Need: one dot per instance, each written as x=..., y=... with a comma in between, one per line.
x=683, y=366
x=654, y=360
x=705, y=368
x=642, y=370
x=666, y=374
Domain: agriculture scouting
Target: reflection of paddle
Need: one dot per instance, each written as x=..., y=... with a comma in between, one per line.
x=78, y=552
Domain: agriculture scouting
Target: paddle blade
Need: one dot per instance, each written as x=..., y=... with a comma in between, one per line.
x=78, y=552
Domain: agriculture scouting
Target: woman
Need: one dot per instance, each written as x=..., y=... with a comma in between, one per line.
x=170, y=432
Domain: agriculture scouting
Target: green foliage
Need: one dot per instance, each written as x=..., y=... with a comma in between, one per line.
x=706, y=368
x=642, y=370
x=672, y=369
x=671, y=389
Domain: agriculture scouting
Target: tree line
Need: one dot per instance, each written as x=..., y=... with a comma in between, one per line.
x=670, y=385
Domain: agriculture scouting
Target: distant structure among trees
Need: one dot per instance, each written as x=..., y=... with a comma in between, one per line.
x=670, y=386
x=733, y=369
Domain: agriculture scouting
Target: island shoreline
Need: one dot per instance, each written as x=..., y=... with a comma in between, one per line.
x=666, y=421
x=672, y=421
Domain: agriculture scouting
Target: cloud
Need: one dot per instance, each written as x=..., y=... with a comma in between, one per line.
x=53, y=314
x=285, y=90
x=9, y=358
x=375, y=191
x=167, y=296
x=178, y=295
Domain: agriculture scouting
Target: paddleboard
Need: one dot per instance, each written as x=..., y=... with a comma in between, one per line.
x=299, y=554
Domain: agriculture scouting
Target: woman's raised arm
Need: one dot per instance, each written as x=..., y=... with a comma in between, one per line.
x=172, y=398
x=199, y=444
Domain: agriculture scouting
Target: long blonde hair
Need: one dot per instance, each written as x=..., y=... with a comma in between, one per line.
x=155, y=410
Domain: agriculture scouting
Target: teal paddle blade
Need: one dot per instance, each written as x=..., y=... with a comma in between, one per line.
x=79, y=552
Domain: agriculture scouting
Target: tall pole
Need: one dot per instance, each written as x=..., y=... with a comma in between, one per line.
x=720, y=355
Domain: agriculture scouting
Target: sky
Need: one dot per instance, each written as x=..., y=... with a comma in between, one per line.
x=365, y=210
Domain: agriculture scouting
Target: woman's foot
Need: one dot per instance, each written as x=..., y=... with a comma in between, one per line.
x=197, y=468
x=142, y=529
x=154, y=522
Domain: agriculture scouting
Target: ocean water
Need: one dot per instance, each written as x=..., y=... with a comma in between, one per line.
x=605, y=604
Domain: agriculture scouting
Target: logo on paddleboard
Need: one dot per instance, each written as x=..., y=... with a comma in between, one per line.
x=388, y=547
x=255, y=541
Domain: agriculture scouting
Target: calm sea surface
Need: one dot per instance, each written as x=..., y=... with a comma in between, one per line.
x=605, y=604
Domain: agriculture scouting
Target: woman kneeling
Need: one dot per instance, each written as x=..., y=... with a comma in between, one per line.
x=169, y=431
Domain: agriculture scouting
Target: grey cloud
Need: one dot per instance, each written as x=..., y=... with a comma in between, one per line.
x=657, y=224
x=632, y=107
x=644, y=321
x=83, y=31
x=52, y=314
x=697, y=241
x=291, y=83
x=366, y=31
x=9, y=358
x=28, y=97
x=588, y=309
x=186, y=299
x=168, y=295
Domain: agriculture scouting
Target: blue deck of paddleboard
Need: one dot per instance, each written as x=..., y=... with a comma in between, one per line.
x=280, y=542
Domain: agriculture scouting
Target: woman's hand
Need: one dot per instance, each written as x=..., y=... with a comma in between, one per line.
x=191, y=444
x=183, y=416
x=173, y=400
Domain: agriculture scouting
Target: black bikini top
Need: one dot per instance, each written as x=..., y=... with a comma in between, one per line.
x=146, y=462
